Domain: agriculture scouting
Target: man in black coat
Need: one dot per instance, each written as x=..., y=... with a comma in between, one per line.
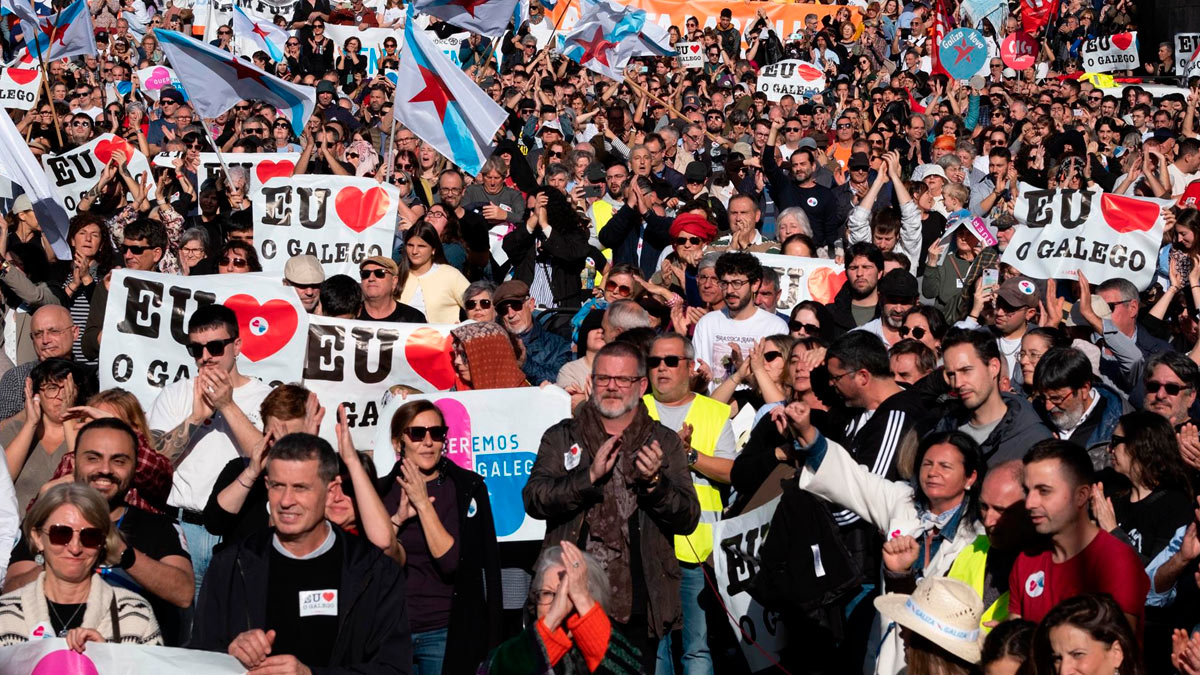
x=304, y=596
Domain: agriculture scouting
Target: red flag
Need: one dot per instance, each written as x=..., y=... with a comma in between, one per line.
x=941, y=26
x=1035, y=14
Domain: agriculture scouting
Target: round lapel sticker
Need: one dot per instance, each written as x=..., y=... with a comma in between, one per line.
x=1035, y=584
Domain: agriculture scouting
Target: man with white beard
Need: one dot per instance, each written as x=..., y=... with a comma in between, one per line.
x=897, y=294
x=1075, y=407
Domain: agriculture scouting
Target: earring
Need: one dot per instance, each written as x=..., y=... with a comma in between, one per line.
x=39, y=559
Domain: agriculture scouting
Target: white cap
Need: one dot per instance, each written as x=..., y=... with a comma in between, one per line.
x=926, y=170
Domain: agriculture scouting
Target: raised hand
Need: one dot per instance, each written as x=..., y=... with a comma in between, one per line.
x=900, y=553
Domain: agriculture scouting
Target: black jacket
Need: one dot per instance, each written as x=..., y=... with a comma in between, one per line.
x=1017, y=431
x=373, y=635
x=625, y=228
x=564, y=252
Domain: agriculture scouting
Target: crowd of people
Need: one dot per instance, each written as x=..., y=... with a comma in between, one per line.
x=977, y=470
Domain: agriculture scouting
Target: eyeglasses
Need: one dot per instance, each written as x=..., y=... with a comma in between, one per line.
x=1171, y=388
x=672, y=361
x=735, y=284
x=48, y=332
x=134, y=249
x=254, y=130
x=844, y=126
x=283, y=125
x=220, y=32
x=688, y=241
x=793, y=130
x=418, y=434
x=1112, y=306
x=798, y=326
x=351, y=155
x=622, y=381
x=481, y=304
x=291, y=43
x=917, y=332
x=620, y=289
x=834, y=379
x=436, y=214
x=555, y=153
x=378, y=273
x=503, y=308
x=81, y=124
x=239, y=263
x=1058, y=399
x=214, y=347
x=61, y=535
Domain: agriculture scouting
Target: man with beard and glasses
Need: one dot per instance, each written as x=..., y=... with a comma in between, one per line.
x=154, y=561
x=741, y=322
x=1077, y=408
x=897, y=294
x=801, y=187
x=857, y=303
x=616, y=481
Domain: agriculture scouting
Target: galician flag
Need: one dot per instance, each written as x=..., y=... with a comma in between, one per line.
x=486, y=17
x=216, y=80
x=268, y=36
x=18, y=165
x=439, y=103
x=608, y=35
x=63, y=35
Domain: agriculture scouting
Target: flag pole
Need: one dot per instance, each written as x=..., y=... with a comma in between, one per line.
x=642, y=90
x=545, y=50
x=46, y=79
x=217, y=149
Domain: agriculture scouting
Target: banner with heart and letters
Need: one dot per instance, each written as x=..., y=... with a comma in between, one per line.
x=76, y=171
x=799, y=79
x=19, y=88
x=259, y=166
x=353, y=363
x=691, y=54
x=339, y=219
x=1107, y=236
x=1110, y=53
x=145, y=328
x=154, y=79
x=485, y=436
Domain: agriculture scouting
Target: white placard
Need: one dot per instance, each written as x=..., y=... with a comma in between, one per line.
x=76, y=171
x=691, y=54
x=735, y=562
x=19, y=88
x=154, y=79
x=801, y=79
x=341, y=220
x=145, y=328
x=1186, y=47
x=803, y=279
x=53, y=657
x=1110, y=53
x=260, y=166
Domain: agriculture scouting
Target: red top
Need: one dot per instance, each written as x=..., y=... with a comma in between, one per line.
x=1106, y=565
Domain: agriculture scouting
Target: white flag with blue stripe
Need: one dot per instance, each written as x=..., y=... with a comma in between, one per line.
x=608, y=35
x=268, y=36
x=440, y=103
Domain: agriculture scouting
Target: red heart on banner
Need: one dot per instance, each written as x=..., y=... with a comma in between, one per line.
x=1125, y=214
x=695, y=48
x=360, y=210
x=807, y=72
x=20, y=75
x=106, y=148
x=328, y=595
x=1122, y=40
x=824, y=284
x=265, y=327
x=428, y=354
x=266, y=169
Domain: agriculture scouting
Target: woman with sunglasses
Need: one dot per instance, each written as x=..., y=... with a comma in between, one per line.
x=282, y=138
x=427, y=282
x=810, y=319
x=71, y=531
x=927, y=325
x=477, y=300
x=446, y=529
x=237, y=257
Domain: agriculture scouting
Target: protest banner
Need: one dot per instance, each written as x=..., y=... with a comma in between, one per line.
x=691, y=54
x=803, y=279
x=487, y=438
x=154, y=79
x=1018, y=51
x=978, y=10
x=372, y=42
x=798, y=78
x=260, y=166
x=339, y=219
x=354, y=363
x=1107, y=236
x=76, y=171
x=145, y=328
x=1111, y=52
x=963, y=53
x=51, y=656
x=18, y=88
x=1186, y=47
x=735, y=562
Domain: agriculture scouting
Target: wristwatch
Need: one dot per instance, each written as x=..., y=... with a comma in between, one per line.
x=127, y=558
x=692, y=456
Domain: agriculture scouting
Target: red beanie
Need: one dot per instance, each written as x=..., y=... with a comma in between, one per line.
x=693, y=223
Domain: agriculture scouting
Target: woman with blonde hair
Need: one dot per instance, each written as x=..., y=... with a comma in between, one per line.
x=71, y=532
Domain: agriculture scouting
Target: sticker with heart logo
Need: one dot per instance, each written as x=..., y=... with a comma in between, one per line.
x=21, y=75
x=267, y=169
x=360, y=209
x=109, y=146
x=428, y=354
x=266, y=327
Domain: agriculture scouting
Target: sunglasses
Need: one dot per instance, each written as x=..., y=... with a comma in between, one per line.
x=377, y=273
x=771, y=355
x=234, y=262
x=214, y=347
x=81, y=124
x=810, y=328
x=503, y=308
x=917, y=332
x=653, y=362
x=61, y=535
x=283, y=125
x=619, y=289
x=686, y=241
x=257, y=131
x=792, y=130
x=351, y=155
x=1171, y=388
x=134, y=249
x=843, y=126
x=418, y=434
x=1115, y=440
x=481, y=304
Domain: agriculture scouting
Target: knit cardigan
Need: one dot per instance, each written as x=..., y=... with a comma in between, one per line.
x=23, y=610
x=441, y=291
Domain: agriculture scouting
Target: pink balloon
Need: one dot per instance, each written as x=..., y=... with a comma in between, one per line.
x=65, y=662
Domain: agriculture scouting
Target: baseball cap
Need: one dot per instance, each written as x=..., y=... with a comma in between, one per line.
x=21, y=204
x=552, y=125
x=926, y=170
x=1099, y=306
x=744, y=149
x=898, y=284
x=381, y=260
x=595, y=172
x=807, y=142
x=1018, y=292
x=305, y=270
x=804, y=109
x=859, y=160
x=510, y=290
x=690, y=102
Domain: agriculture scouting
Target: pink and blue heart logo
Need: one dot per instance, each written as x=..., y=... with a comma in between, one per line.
x=159, y=77
x=65, y=662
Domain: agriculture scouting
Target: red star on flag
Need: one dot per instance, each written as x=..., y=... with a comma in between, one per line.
x=244, y=70
x=468, y=5
x=434, y=92
x=48, y=27
x=597, y=48
x=260, y=32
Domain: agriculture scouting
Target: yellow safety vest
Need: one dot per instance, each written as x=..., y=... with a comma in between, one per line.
x=707, y=417
x=970, y=567
x=602, y=212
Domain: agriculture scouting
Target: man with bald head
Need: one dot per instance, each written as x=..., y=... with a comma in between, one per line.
x=54, y=334
x=986, y=563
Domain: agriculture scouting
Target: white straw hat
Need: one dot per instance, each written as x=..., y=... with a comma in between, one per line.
x=944, y=611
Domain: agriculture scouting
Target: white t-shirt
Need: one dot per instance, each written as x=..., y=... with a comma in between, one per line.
x=1179, y=179
x=212, y=445
x=1011, y=350
x=716, y=330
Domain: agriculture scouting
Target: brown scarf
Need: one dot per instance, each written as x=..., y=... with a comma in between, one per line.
x=608, y=521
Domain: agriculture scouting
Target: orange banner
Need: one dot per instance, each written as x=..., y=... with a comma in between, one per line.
x=786, y=17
